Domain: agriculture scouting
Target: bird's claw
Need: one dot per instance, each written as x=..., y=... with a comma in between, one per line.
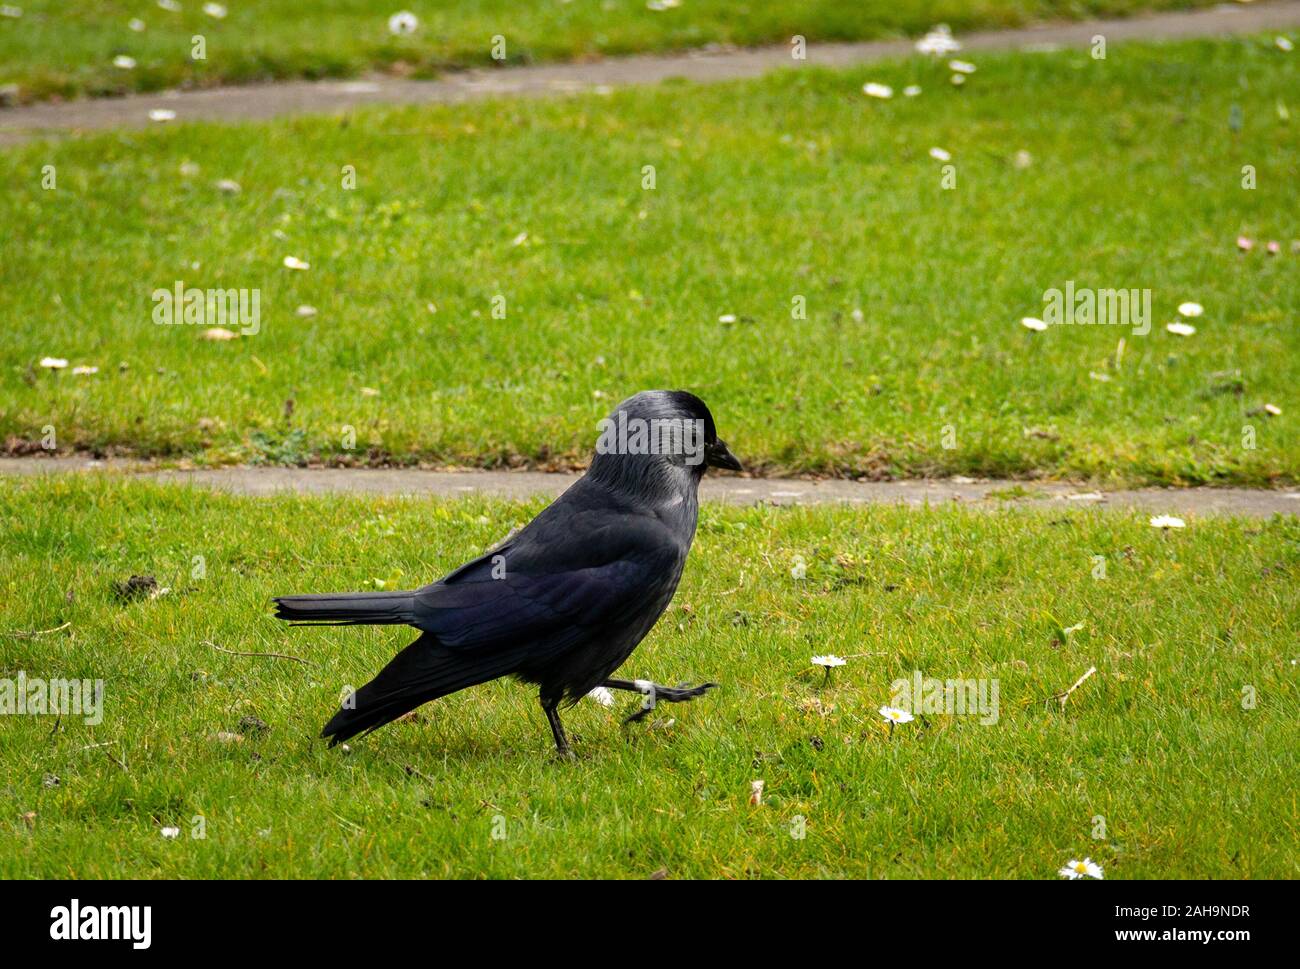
x=681, y=693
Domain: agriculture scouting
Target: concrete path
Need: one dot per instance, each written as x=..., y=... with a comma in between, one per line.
x=328, y=97
x=734, y=490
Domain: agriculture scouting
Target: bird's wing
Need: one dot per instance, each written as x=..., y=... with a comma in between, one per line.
x=554, y=584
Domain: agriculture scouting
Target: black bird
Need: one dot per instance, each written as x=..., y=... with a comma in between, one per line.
x=562, y=603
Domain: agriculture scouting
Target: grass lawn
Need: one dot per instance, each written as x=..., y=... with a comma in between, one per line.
x=560, y=284
x=1190, y=780
x=59, y=49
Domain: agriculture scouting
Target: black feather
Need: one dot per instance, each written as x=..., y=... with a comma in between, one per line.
x=347, y=609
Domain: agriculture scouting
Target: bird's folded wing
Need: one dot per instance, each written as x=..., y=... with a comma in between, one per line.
x=551, y=594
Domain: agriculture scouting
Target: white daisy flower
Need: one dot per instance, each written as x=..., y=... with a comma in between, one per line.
x=895, y=715
x=218, y=334
x=293, y=262
x=958, y=80
x=1074, y=870
x=1033, y=323
x=8, y=11
x=228, y=185
x=602, y=696
x=1023, y=159
x=124, y=62
x=659, y=6
x=727, y=318
x=938, y=154
x=911, y=91
x=305, y=311
x=1167, y=521
x=829, y=660
x=136, y=24
x=84, y=371
x=1273, y=409
x=369, y=392
x=961, y=67
x=1180, y=329
x=1101, y=377
x=1190, y=309
x=162, y=114
x=171, y=832
x=873, y=90
x=214, y=10
x=937, y=42
x=53, y=363
x=403, y=22
x=1284, y=44
x=169, y=5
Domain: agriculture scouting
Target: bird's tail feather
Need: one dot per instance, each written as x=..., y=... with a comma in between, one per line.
x=422, y=672
x=348, y=609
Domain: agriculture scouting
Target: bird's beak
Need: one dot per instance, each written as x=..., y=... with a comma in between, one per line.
x=717, y=455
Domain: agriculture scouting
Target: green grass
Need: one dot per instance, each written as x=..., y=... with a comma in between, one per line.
x=60, y=49
x=793, y=185
x=1158, y=743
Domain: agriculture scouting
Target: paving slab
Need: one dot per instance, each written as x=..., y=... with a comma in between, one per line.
x=732, y=489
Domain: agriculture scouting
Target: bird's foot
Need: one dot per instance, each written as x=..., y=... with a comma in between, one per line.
x=652, y=693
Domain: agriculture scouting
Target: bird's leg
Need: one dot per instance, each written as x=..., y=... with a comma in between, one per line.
x=652, y=693
x=557, y=729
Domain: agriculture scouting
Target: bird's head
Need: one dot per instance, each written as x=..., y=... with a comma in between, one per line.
x=657, y=433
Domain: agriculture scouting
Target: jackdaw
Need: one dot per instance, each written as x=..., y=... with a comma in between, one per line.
x=563, y=602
